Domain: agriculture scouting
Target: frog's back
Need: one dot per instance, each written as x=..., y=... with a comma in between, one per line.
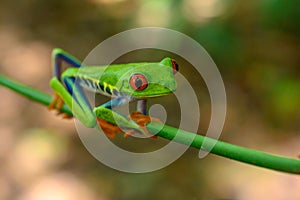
x=95, y=72
x=101, y=79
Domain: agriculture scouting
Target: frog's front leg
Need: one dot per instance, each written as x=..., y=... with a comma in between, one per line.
x=142, y=106
x=142, y=119
x=141, y=116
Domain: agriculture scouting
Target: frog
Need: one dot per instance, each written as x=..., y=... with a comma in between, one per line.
x=123, y=83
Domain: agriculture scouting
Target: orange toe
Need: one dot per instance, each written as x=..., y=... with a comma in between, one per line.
x=56, y=104
x=53, y=102
x=108, y=128
x=129, y=133
x=142, y=119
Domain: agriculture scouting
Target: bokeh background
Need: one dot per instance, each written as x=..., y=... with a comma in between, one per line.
x=255, y=45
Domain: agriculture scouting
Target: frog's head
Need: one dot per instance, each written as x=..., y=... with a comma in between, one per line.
x=151, y=79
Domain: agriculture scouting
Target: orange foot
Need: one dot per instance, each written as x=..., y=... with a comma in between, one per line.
x=130, y=133
x=143, y=120
x=56, y=104
x=108, y=128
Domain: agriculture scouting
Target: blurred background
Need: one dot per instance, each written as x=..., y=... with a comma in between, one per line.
x=255, y=45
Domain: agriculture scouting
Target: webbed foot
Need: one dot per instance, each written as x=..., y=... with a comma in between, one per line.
x=109, y=129
x=138, y=120
x=142, y=120
x=56, y=104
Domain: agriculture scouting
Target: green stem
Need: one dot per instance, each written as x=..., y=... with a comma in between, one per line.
x=227, y=150
x=223, y=149
x=31, y=93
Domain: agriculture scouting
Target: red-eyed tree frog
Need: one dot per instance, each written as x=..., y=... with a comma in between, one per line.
x=122, y=82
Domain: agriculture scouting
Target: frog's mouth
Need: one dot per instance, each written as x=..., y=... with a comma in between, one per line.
x=155, y=92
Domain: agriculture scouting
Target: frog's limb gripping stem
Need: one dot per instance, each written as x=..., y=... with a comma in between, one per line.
x=108, y=128
x=142, y=120
x=56, y=104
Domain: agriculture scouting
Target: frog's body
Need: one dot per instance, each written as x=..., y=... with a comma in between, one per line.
x=123, y=82
x=104, y=79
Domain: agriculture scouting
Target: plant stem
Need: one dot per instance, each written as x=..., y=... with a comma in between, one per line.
x=31, y=93
x=227, y=150
x=223, y=149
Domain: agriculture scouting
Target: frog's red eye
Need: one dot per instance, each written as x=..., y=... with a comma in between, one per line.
x=174, y=66
x=138, y=82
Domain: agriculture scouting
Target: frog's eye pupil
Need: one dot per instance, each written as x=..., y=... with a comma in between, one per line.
x=138, y=82
x=175, y=66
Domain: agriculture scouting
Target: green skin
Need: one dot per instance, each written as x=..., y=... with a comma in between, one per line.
x=112, y=80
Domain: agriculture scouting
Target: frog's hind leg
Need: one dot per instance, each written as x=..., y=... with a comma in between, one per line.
x=110, y=121
x=59, y=56
x=57, y=104
x=109, y=129
x=75, y=99
x=71, y=92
